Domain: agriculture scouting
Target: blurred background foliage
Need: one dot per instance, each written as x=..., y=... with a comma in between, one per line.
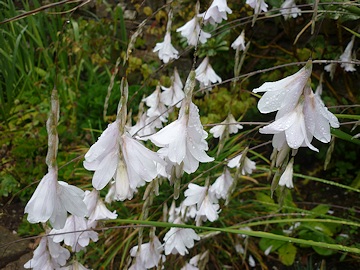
x=75, y=50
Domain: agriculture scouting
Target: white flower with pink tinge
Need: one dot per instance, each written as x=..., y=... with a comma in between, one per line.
x=193, y=32
x=52, y=200
x=205, y=74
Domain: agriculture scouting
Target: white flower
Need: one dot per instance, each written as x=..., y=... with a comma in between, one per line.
x=145, y=126
x=185, y=139
x=252, y=262
x=205, y=200
x=189, y=266
x=283, y=94
x=48, y=256
x=216, y=12
x=174, y=94
x=331, y=68
x=239, y=43
x=290, y=127
x=222, y=184
x=122, y=158
x=346, y=57
x=157, y=107
x=52, y=200
x=166, y=49
x=205, y=73
x=96, y=208
x=268, y=250
x=289, y=9
x=75, y=233
x=193, y=32
x=286, y=178
x=247, y=167
x=228, y=126
x=149, y=254
x=178, y=240
x=257, y=5
x=318, y=119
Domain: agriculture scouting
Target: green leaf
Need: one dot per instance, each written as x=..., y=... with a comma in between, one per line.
x=287, y=254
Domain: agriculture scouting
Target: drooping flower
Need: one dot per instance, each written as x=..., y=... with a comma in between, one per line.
x=286, y=178
x=52, y=200
x=156, y=105
x=205, y=201
x=172, y=95
x=166, y=49
x=149, y=254
x=228, y=126
x=289, y=9
x=193, y=32
x=216, y=12
x=185, y=139
x=239, y=43
x=96, y=207
x=257, y=5
x=75, y=233
x=122, y=158
x=48, y=255
x=75, y=265
x=145, y=126
x=347, y=57
x=222, y=185
x=283, y=94
x=247, y=166
x=178, y=240
x=205, y=73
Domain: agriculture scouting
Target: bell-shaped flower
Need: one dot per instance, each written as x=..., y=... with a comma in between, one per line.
x=246, y=165
x=318, y=118
x=185, y=139
x=347, y=57
x=222, y=185
x=156, y=106
x=258, y=5
x=284, y=94
x=172, y=95
x=205, y=73
x=122, y=158
x=166, y=50
x=193, y=32
x=48, y=255
x=216, y=12
x=239, y=43
x=178, y=240
x=145, y=126
x=149, y=254
x=228, y=126
x=286, y=178
x=291, y=127
x=205, y=201
x=52, y=200
x=75, y=233
x=96, y=207
x=289, y=9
